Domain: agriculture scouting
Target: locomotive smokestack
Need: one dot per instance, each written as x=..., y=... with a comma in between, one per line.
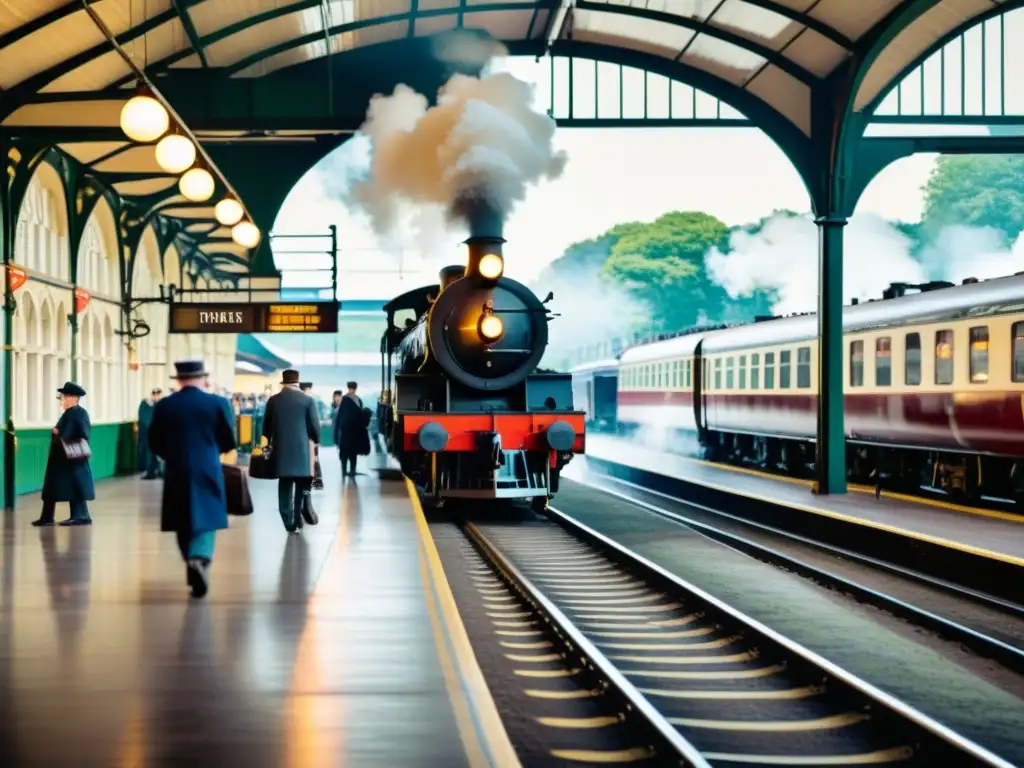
x=486, y=227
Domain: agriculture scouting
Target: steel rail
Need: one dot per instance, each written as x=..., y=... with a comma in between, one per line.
x=940, y=735
x=663, y=732
x=1009, y=656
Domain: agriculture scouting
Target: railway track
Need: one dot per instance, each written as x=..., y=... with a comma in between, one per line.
x=709, y=522
x=691, y=680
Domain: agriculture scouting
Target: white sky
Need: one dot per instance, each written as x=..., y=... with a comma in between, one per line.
x=613, y=175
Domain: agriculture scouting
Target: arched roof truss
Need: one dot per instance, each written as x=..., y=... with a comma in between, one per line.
x=236, y=63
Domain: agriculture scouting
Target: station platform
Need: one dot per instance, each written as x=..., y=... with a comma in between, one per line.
x=988, y=533
x=337, y=646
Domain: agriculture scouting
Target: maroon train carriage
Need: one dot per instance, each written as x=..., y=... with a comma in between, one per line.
x=934, y=388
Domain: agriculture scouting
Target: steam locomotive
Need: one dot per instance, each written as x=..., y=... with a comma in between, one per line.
x=468, y=415
x=934, y=390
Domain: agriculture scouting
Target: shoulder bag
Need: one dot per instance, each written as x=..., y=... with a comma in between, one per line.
x=76, y=450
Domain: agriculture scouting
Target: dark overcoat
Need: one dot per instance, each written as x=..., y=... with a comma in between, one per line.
x=68, y=480
x=145, y=419
x=350, y=422
x=190, y=431
x=291, y=424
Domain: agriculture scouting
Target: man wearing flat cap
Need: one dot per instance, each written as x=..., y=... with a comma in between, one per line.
x=292, y=427
x=68, y=474
x=191, y=428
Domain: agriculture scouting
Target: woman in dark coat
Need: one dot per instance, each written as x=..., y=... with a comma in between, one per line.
x=68, y=479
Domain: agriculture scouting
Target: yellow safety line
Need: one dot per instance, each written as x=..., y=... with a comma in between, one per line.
x=857, y=520
x=859, y=488
x=464, y=679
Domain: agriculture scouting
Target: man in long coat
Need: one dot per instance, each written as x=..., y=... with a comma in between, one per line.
x=68, y=479
x=350, y=433
x=190, y=430
x=291, y=425
x=148, y=462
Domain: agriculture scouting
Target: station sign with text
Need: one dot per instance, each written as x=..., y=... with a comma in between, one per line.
x=278, y=317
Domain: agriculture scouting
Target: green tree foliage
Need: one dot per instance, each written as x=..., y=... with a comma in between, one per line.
x=662, y=264
x=976, y=191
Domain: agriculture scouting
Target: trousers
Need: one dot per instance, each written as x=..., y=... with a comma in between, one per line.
x=79, y=510
x=292, y=493
x=197, y=546
x=348, y=459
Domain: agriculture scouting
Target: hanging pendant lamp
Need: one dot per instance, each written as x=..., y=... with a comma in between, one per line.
x=175, y=153
x=246, y=234
x=229, y=212
x=143, y=118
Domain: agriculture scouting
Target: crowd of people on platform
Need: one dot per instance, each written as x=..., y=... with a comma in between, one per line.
x=183, y=437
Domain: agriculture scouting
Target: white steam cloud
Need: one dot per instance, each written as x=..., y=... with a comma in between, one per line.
x=783, y=256
x=482, y=144
x=590, y=311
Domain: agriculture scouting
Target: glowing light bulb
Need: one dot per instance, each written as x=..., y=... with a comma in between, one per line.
x=491, y=266
x=246, y=234
x=175, y=153
x=491, y=327
x=144, y=119
x=196, y=185
x=229, y=212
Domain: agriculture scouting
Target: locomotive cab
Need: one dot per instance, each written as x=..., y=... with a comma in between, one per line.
x=470, y=415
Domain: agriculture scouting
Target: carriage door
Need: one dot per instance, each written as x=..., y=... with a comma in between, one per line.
x=591, y=402
x=699, y=407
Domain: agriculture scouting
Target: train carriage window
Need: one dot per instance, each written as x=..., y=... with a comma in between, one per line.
x=689, y=366
x=913, y=363
x=784, y=366
x=856, y=363
x=944, y=357
x=677, y=375
x=755, y=370
x=883, y=361
x=769, y=370
x=730, y=367
x=1018, y=352
x=979, y=354
x=718, y=373
x=743, y=372
x=803, y=368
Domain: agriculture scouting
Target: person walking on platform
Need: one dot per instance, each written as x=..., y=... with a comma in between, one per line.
x=68, y=474
x=306, y=387
x=350, y=433
x=150, y=464
x=292, y=427
x=191, y=429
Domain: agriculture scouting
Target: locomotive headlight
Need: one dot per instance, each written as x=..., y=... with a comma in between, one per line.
x=491, y=266
x=491, y=327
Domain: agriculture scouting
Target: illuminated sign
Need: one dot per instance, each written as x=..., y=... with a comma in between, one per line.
x=292, y=317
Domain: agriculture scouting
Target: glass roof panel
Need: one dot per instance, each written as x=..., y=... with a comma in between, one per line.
x=757, y=23
x=725, y=54
x=642, y=34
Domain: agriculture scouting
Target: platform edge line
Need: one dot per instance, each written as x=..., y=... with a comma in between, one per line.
x=938, y=541
x=485, y=730
x=923, y=501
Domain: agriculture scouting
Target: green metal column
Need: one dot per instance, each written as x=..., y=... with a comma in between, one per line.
x=831, y=447
x=7, y=227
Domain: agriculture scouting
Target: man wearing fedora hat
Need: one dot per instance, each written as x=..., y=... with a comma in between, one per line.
x=190, y=430
x=68, y=474
x=292, y=427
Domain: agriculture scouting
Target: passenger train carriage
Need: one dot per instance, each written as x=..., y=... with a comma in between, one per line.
x=934, y=388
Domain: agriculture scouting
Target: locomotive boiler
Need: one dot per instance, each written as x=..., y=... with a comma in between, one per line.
x=466, y=411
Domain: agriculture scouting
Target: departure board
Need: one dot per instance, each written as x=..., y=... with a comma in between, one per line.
x=278, y=317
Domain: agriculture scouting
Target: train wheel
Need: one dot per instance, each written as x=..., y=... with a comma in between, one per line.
x=539, y=503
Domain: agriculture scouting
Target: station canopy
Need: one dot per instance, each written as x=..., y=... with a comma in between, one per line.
x=59, y=74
